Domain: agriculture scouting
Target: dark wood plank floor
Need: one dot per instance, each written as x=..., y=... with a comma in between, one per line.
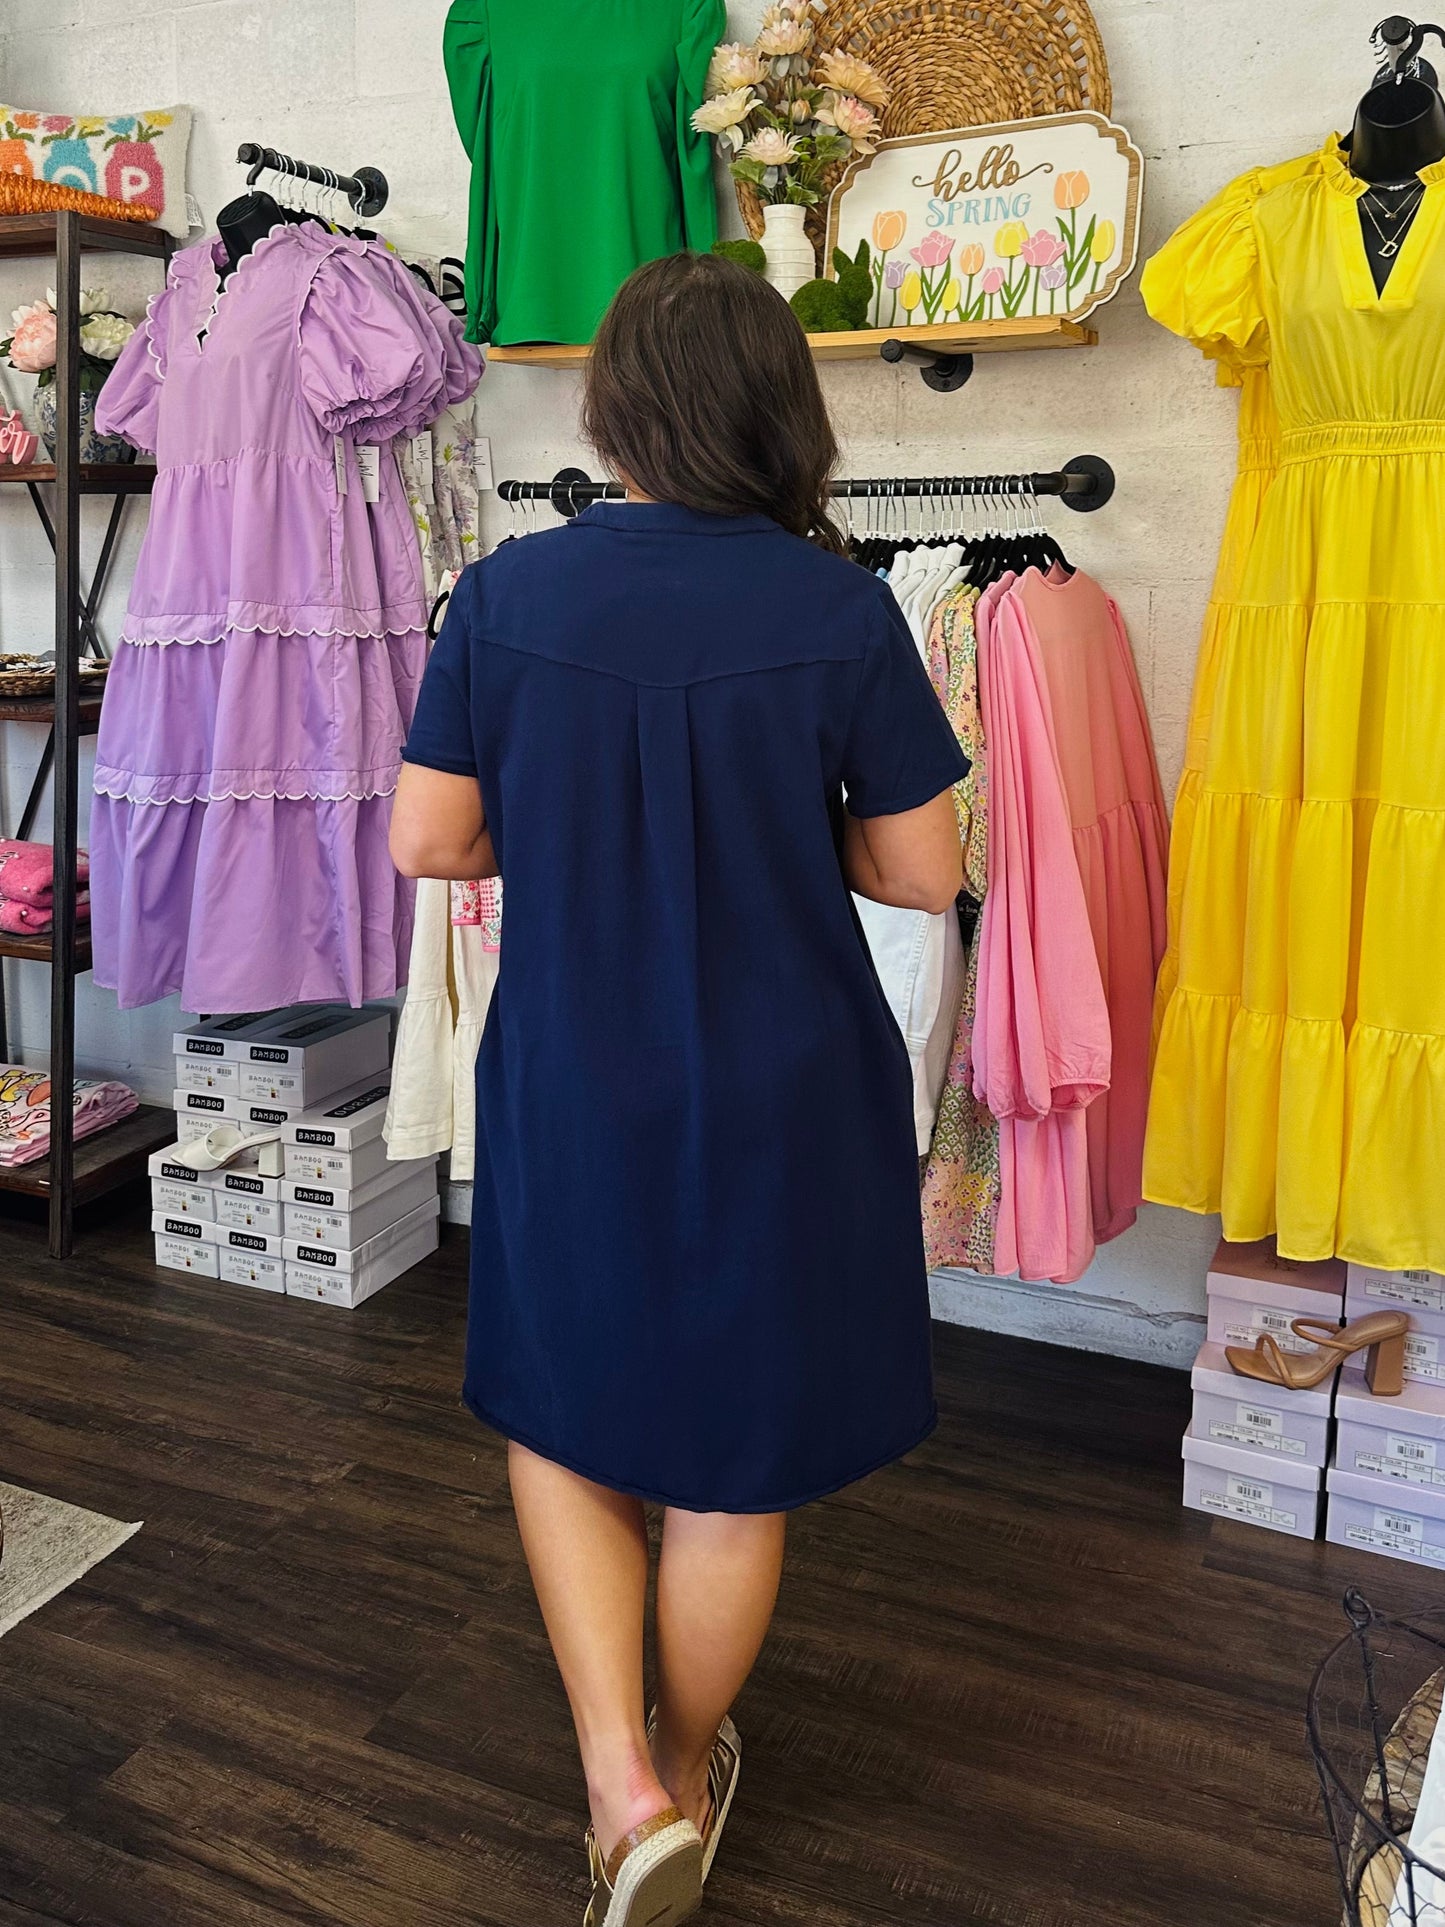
x=1011, y=1680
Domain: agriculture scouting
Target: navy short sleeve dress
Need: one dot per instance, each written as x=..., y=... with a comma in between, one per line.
x=697, y=1263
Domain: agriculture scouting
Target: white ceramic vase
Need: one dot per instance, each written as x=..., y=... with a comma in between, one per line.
x=790, y=253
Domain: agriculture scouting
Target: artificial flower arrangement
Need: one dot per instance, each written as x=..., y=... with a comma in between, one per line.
x=784, y=113
x=31, y=346
x=1045, y=268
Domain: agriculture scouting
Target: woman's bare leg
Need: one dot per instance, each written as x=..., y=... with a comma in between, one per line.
x=717, y=1584
x=587, y=1548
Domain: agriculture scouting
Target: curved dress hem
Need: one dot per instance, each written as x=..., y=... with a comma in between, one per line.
x=652, y=1496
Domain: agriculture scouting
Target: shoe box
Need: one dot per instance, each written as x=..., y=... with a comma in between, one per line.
x=1273, y=1420
x=323, y=1215
x=198, y=1111
x=293, y=1058
x=1380, y=1515
x=1251, y=1290
x=343, y=1222
x=340, y=1146
x=1257, y=1452
x=348, y=1277
x=1240, y=1482
x=1419, y=1293
x=1387, y=1482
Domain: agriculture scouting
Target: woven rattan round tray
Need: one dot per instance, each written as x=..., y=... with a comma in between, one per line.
x=28, y=676
x=962, y=63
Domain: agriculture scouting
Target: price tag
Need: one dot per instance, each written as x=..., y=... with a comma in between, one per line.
x=1422, y=1357
x=1249, y=1491
x=1258, y=1418
x=482, y=463
x=368, y=466
x=338, y=454
x=423, y=464
x=1399, y=1525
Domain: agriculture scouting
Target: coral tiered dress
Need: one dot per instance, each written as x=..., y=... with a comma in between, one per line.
x=1299, y=1083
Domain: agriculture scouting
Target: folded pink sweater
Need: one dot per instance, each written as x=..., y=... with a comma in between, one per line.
x=27, y=873
x=19, y=919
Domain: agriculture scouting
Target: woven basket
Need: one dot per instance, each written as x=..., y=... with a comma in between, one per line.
x=17, y=679
x=961, y=63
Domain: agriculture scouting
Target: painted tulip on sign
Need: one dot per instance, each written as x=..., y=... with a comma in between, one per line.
x=1102, y=245
x=933, y=250
x=911, y=292
x=1071, y=189
x=1008, y=243
x=889, y=228
x=970, y=259
x=1042, y=249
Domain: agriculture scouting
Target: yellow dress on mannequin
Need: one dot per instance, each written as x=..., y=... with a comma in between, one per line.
x=1299, y=1082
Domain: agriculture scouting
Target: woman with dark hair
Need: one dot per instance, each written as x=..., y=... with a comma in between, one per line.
x=697, y=1265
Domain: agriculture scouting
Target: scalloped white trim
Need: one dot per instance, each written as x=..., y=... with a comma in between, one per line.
x=262, y=629
x=150, y=330
x=101, y=787
x=223, y=288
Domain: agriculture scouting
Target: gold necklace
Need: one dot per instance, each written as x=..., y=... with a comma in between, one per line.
x=1390, y=244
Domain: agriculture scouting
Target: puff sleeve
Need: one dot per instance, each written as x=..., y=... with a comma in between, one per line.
x=1205, y=282
x=129, y=403
x=704, y=22
x=366, y=367
x=466, y=54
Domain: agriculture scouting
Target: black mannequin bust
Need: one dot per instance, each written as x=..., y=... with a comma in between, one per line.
x=242, y=223
x=1399, y=128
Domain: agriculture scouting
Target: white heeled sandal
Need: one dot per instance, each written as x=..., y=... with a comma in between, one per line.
x=223, y=1142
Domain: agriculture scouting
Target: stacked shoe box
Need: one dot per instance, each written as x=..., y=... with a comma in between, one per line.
x=354, y=1221
x=305, y=1214
x=1387, y=1483
x=1256, y=1452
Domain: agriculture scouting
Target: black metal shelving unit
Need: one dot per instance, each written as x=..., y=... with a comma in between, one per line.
x=70, y=1176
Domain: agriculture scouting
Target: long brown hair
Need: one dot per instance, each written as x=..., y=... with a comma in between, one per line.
x=701, y=391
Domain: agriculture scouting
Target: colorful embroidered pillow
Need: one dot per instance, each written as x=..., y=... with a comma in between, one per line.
x=129, y=157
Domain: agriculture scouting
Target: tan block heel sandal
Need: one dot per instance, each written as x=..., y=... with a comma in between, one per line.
x=653, y=1877
x=1380, y=1336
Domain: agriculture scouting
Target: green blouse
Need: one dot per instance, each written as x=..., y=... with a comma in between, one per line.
x=577, y=116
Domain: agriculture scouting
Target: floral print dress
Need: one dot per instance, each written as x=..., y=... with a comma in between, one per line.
x=961, y=1177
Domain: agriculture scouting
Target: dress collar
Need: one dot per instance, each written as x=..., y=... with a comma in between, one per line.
x=1336, y=169
x=671, y=518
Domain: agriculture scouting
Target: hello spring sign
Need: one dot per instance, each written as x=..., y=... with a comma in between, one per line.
x=1021, y=219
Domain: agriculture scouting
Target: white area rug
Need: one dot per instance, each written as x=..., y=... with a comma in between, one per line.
x=48, y=1545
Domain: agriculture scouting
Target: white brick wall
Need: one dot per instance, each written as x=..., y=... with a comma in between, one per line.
x=1207, y=90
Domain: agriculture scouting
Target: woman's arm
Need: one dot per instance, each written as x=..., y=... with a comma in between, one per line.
x=912, y=860
x=439, y=827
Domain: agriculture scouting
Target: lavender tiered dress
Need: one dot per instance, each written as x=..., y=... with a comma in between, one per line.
x=251, y=734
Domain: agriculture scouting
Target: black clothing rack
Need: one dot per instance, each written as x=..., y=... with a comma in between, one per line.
x=366, y=189
x=1084, y=484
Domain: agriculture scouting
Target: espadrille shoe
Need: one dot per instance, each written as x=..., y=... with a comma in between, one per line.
x=653, y=1877
x=723, y=1769
x=725, y=1764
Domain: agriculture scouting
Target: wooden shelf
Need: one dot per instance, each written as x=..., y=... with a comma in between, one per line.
x=39, y=949
x=96, y=478
x=31, y=234
x=41, y=709
x=102, y=1162
x=976, y=338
